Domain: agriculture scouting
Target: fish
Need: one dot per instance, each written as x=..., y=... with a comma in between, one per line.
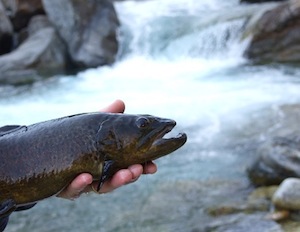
x=38, y=161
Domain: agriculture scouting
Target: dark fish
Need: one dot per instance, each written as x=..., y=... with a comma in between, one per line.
x=38, y=161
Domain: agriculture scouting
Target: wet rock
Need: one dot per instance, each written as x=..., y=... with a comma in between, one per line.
x=276, y=35
x=260, y=1
x=21, y=12
x=265, y=192
x=6, y=32
x=215, y=205
x=258, y=201
x=19, y=77
x=88, y=28
x=288, y=195
x=38, y=23
x=277, y=160
x=290, y=226
x=42, y=52
x=242, y=222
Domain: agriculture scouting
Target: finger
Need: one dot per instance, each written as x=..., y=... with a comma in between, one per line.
x=136, y=171
x=121, y=178
x=117, y=106
x=150, y=168
x=77, y=186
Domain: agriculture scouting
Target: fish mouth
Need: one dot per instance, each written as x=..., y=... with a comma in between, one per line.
x=162, y=146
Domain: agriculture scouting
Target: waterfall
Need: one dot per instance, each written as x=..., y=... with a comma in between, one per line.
x=177, y=32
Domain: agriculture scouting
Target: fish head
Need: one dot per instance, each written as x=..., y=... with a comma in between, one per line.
x=134, y=139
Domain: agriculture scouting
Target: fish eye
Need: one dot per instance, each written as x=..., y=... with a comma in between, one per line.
x=142, y=122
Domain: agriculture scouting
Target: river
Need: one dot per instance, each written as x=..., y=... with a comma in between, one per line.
x=180, y=59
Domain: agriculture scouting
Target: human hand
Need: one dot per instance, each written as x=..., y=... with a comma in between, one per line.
x=84, y=182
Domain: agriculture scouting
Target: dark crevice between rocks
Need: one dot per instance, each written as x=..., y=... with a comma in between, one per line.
x=6, y=42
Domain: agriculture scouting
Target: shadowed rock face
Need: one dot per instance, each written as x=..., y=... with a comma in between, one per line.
x=6, y=32
x=276, y=35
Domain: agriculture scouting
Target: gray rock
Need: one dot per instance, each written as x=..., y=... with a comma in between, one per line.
x=42, y=52
x=20, y=12
x=37, y=23
x=277, y=160
x=6, y=32
x=287, y=195
x=276, y=35
x=88, y=28
x=260, y=1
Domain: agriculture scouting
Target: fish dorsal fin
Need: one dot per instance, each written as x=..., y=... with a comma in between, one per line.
x=9, y=129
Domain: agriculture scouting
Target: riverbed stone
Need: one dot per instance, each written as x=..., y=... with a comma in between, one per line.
x=89, y=28
x=6, y=31
x=277, y=159
x=260, y=1
x=287, y=195
x=41, y=53
x=275, y=37
x=197, y=200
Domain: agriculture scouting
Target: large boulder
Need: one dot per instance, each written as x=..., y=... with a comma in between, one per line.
x=277, y=160
x=276, y=35
x=41, y=53
x=88, y=28
x=6, y=32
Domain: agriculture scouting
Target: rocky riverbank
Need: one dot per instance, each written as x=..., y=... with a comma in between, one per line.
x=42, y=38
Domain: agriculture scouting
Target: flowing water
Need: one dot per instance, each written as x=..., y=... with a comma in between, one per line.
x=180, y=59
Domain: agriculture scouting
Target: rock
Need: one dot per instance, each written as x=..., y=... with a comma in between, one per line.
x=260, y=1
x=22, y=11
x=41, y=53
x=19, y=77
x=213, y=205
x=241, y=223
x=277, y=160
x=37, y=23
x=287, y=195
x=88, y=28
x=6, y=32
x=276, y=35
x=263, y=193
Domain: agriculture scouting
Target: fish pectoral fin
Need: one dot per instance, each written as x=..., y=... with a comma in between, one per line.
x=105, y=173
x=9, y=129
x=3, y=223
x=25, y=207
x=7, y=207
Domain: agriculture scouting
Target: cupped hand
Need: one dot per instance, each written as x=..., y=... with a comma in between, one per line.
x=84, y=182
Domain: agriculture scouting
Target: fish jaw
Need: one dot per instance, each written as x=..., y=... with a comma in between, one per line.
x=165, y=146
x=161, y=146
